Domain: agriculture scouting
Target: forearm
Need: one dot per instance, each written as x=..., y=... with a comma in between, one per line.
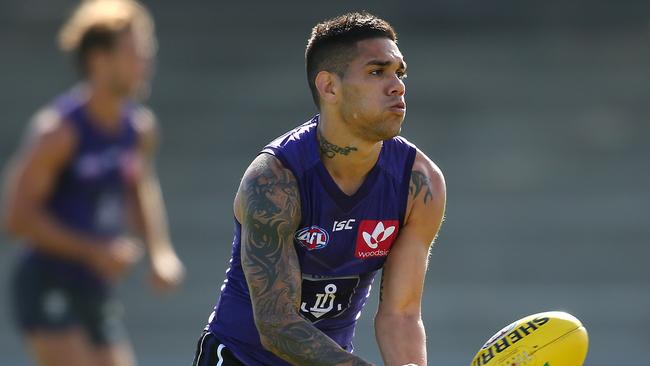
x=300, y=343
x=401, y=339
x=45, y=233
x=150, y=218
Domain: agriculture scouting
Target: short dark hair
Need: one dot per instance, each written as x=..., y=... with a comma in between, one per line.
x=332, y=44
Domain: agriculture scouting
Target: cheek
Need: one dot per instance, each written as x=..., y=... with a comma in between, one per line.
x=118, y=67
x=361, y=97
x=129, y=67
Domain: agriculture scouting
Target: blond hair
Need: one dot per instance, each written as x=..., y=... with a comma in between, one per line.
x=110, y=17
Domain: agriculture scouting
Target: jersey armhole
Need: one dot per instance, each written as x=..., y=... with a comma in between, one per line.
x=276, y=153
x=406, y=182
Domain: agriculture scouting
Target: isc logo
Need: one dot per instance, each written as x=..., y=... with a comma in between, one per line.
x=343, y=225
x=312, y=237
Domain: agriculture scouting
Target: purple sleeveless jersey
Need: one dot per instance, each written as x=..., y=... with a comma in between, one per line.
x=89, y=194
x=341, y=243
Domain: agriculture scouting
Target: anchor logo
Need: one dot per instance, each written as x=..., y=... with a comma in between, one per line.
x=324, y=302
x=327, y=297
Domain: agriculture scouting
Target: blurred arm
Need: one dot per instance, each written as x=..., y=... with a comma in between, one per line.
x=398, y=323
x=30, y=179
x=148, y=209
x=268, y=207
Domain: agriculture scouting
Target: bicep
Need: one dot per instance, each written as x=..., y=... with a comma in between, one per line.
x=146, y=127
x=269, y=211
x=402, y=277
x=405, y=268
x=144, y=179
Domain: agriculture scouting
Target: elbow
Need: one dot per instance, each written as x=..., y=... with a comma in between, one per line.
x=10, y=223
x=13, y=222
x=395, y=327
x=397, y=319
x=267, y=342
x=268, y=331
x=273, y=329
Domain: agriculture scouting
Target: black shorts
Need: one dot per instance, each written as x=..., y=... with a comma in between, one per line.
x=42, y=300
x=211, y=352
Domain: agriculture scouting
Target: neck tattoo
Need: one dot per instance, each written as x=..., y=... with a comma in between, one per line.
x=330, y=150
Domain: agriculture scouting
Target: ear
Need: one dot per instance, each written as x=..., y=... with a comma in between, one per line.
x=327, y=84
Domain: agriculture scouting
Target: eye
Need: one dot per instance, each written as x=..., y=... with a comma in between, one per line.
x=377, y=72
x=401, y=75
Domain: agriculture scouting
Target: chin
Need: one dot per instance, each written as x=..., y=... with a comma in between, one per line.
x=389, y=131
x=394, y=126
x=393, y=133
x=138, y=92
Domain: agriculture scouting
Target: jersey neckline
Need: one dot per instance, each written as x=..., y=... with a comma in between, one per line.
x=344, y=201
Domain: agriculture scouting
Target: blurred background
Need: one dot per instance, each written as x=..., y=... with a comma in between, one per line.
x=537, y=112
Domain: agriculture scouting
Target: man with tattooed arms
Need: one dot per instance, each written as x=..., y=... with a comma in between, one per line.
x=323, y=208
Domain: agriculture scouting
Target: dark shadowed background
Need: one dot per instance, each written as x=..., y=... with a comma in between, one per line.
x=537, y=112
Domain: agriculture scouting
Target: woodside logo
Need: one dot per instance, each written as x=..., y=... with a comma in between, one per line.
x=375, y=238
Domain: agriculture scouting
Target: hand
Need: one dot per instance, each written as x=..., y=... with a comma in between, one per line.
x=112, y=260
x=167, y=271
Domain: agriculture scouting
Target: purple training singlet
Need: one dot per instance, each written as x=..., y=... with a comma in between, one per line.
x=90, y=193
x=341, y=243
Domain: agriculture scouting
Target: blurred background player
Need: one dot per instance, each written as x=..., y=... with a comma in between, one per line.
x=323, y=208
x=84, y=172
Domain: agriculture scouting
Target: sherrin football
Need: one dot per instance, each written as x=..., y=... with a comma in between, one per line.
x=553, y=338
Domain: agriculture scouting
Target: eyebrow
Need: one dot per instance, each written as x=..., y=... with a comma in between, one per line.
x=402, y=64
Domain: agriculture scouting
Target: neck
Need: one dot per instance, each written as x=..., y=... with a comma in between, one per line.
x=104, y=107
x=347, y=157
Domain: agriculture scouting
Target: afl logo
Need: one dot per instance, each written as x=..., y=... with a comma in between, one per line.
x=312, y=237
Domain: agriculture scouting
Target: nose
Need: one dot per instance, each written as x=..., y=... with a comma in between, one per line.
x=397, y=87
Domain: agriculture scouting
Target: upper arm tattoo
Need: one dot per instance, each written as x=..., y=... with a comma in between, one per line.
x=270, y=215
x=270, y=207
x=420, y=182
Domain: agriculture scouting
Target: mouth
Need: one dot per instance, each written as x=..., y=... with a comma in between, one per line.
x=399, y=107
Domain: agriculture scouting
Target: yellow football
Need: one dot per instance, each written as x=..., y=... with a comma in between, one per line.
x=553, y=338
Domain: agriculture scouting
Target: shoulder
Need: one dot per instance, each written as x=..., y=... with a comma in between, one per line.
x=427, y=188
x=267, y=169
x=295, y=135
x=297, y=149
x=425, y=169
x=51, y=131
x=144, y=120
x=48, y=144
x=145, y=125
x=268, y=185
x=293, y=139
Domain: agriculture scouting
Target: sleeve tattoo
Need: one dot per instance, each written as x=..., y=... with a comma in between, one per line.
x=270, y=206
